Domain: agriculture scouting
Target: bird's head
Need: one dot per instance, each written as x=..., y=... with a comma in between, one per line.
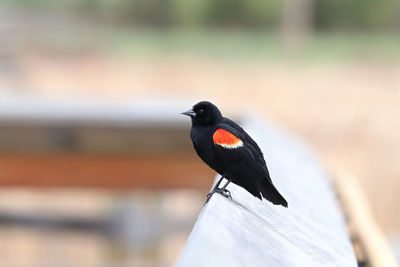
x=204, y=113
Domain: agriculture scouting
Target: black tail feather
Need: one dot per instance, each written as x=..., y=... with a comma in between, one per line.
x=269, y=192
x=266, y=190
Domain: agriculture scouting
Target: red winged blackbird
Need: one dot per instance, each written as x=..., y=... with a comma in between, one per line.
x=230, y=151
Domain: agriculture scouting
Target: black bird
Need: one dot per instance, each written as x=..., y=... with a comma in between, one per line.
x=231, y=152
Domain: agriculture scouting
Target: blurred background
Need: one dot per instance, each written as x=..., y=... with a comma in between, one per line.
x=96, y=168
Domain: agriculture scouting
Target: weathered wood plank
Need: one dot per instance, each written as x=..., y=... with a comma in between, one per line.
x=247, y=232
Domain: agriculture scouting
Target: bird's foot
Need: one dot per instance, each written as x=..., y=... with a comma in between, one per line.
x=225, y=192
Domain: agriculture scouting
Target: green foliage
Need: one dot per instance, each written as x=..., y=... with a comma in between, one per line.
x=254, y=14
x=188, y=13
x=356, y=14
x=139, y=12
x=242, y=13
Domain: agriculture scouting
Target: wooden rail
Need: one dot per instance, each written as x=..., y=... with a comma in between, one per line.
x=247, y=232
x=362, y=225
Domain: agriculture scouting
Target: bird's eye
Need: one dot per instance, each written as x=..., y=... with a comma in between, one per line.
x=201, y=111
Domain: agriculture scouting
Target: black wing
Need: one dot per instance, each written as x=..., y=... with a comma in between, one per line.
x=250, y=144
x=245, y=165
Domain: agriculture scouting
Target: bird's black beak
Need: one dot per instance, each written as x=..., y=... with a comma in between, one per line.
x=189, y=113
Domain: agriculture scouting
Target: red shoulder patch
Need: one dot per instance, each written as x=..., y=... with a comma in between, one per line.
x=225, y=139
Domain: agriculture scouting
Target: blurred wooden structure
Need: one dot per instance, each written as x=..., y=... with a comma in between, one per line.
x=44, y=144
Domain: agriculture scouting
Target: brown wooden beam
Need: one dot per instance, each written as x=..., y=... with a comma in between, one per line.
x=102, y=171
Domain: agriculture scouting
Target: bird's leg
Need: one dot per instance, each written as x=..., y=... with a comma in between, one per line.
x=223, y=191
x=215, y=189
x=226, y=192
x=219, y=182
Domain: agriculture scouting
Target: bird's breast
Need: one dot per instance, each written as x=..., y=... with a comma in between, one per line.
x=204, y=146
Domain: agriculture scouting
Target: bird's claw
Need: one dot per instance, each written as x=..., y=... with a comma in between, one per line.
x=224, y=192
